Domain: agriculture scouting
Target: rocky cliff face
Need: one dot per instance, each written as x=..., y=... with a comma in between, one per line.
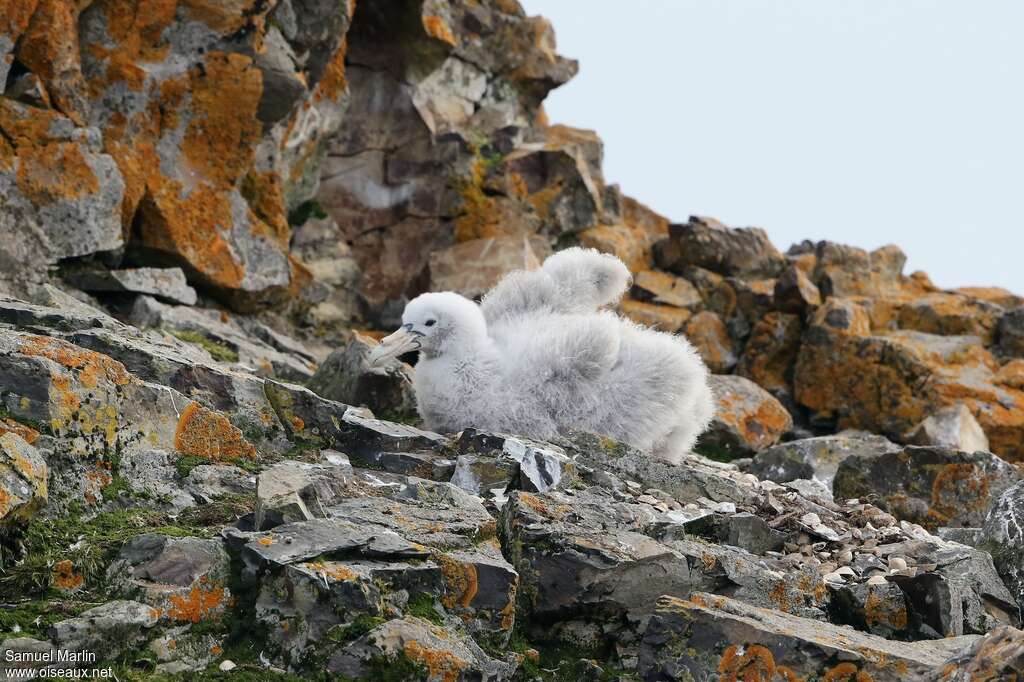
x=210, y=209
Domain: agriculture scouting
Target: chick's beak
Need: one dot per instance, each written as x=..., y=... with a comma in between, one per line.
x=402, y=341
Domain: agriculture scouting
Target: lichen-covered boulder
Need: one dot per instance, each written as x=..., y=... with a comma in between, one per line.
x=843, y=367
x=747, y=418
x=708, y=635
x=770, y=354
x=815, y=458
x=710, y=337
x=707, y=243
x=930, y=486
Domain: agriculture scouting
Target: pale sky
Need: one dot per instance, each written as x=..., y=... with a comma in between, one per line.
x=862, y=121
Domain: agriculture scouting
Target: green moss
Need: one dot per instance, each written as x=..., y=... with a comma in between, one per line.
x=32, y=618
x=363, y=624
x=28, y=552
x=422, y=606
x=216, y=349
x=304, y=211
x=7, y=414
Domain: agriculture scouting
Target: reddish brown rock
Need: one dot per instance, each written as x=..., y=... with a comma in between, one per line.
x=771, y=351
x=843, y=270
x=664, y=318
x=795, y=292
x=707, y=243
x=708, y=334
x=747, y=418
x=950, y=314
x=655, y=286
x=889, y=382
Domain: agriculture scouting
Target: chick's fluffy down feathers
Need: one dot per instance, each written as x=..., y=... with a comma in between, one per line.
x=549, y=361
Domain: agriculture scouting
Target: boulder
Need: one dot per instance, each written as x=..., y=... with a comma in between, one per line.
x=706, y=243
x=664, y=318
x=1011, y=332
x=655, y=286
x=951, y=427
x=747, y=418
x=420, y=649
x=795, y=292
x=298, y=491
x=709, y=336
x=182, y=579
x=770, y=354
x=708, y=635
x=999, y=655
x=816, y=458
x=1003, y=536
x=347, y=377
x=843, y=367
x=164, y=283
x=930, y=486
x=472, y=267
x=108, y=630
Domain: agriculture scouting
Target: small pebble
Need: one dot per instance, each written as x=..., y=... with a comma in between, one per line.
x=897, y=564
x=226, y=665
x=877, y=580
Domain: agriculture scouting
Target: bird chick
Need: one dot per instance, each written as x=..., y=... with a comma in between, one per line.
x=538, y=358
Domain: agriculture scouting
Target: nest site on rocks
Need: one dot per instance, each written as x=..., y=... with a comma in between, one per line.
x=209, y=470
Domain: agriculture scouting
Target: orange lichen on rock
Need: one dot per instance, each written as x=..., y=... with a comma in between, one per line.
x=746, y=663
x=879, y=611
x=441, y=665
x=92, y=367
x=437, y=27
x=205, y=433
x=958, y=487
x=192, y=228
x=55, y=172
x=27, y=433
x=223, y=17
x=220, y=139
x=63, y=576
x=333, y=570
x=201, y=602
x=265, y=194
x=49, y=49
x=333, y=83
x=461, y=581
x=846, y=672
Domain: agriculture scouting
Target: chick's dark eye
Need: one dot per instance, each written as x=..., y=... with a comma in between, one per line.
x=430, y=323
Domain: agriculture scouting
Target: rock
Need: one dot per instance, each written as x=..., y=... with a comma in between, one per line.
x=842, y=270
x=931, y=486
x=947, y=314
x=487, y=462
x=226, y=339
x=1011, y=332
x=153, y=473
x=747, y=418
x=472, y=267
x=770, y=354
x=706, y=243
x=632, y=237
x=877, y=609
x=1003, y=537
x=795, y=292
x=709, y=336
x=843, y=367
x=708, y=635
x=815, y=458
x=662, y=288
x=183, y=579
x=23, y=478
x=108, y=630
x=999, y=655
x=298, y=491
x=347, y=377
x=209, y=481
x=951, y=427
x=424, y=648
x=664, y=318
x=165, y=283
x=320, y=244
x=26, y=654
